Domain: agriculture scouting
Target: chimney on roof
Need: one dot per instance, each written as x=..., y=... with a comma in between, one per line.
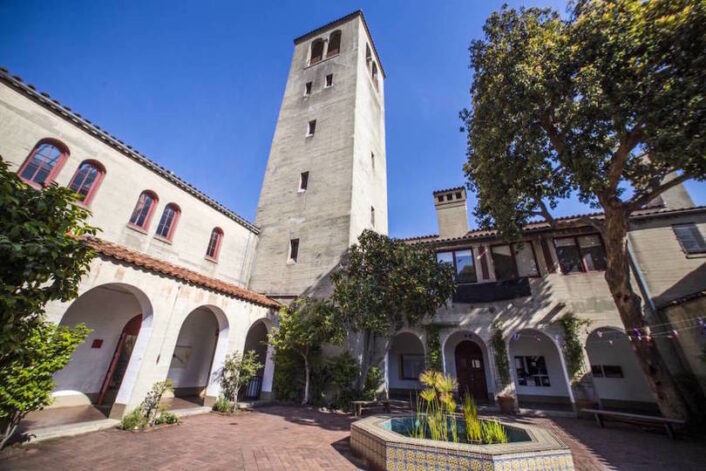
x=451, y=212
x=674, y=198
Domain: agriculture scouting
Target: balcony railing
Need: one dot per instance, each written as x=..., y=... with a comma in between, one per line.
x=492, y=291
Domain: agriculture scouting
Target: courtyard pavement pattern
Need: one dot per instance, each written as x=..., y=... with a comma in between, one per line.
x=281, y=437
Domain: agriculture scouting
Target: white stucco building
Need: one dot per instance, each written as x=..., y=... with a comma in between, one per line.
x=179, y=280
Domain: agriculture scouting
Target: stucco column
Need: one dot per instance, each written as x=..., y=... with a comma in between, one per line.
x=268, y=375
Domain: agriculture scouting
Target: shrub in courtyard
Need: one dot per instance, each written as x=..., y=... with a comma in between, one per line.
x=27, y=375
x=150, y=405
x=288, y=382
x=166, y=418
x=343, y=373
x=133, y=421
x=373, y=381
x=41, y=256
x=237, y=372
x=222, y=405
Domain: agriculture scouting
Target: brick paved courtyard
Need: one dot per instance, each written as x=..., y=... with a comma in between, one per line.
x=280, y=437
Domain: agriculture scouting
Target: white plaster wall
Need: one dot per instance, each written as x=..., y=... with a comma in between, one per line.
x=25, y=122
x=403, y=343
x=530, y=346
x=633, y=386
x=106, y=311
x=200, y=331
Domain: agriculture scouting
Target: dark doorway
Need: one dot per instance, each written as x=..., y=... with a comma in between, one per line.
x=470, y=371
x=121, y=358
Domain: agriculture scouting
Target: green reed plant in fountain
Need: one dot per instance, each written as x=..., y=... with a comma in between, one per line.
x=470, y=416
x=493, y=432
x=436, y=408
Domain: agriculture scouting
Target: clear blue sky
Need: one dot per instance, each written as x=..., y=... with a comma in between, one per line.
x=196, y=86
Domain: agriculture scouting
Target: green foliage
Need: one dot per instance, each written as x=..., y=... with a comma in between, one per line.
x=373, y=380
x=470, y=417
x=384, y=284
x=436, y=408
x=27, y=375
x=133, y=421
x=562, y=107
x=573, y=349
x=288, y=382
x=304, y=326
x=222, y=405
x=167, y=418
x=150, y=405
x=493, y=432
x=500, y=354
x=236, y=372
x=434, y=359
x=41, y=257
x=343, y=373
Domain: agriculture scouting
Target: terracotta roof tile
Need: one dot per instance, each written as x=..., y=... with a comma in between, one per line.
x=118, y=252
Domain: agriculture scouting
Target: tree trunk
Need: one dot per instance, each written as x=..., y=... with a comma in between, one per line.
x=366, y=359
x=306, y=380
x=628, y=303
x=10, y=429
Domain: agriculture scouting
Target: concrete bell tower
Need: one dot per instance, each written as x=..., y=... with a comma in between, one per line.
x=326, y=177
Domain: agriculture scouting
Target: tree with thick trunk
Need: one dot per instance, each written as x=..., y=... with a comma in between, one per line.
x=383, y=285
x=606, y=105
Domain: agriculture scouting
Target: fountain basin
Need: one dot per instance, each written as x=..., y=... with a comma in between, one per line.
x=530, y=448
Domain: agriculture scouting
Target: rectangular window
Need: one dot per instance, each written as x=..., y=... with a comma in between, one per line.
x=612, y=371
x=293, y=250
x=311, y=128
x=303, y=181
x=525, y=260
x=690, y=238
x=580, y=254
x=372, y=160
x=411, y=366
x=307, y=88
x=465, y=268
x=597, y=371
x=531, y=371
x=463, y=264
x=504, y=264
x=372, y=216
x=329, y=80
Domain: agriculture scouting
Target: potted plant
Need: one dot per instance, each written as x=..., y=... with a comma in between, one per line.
x=506, y=400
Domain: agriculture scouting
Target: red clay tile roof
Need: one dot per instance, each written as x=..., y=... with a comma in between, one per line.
x=456, y=188
x=118, y=252
x=43, y=99
x=565, y=222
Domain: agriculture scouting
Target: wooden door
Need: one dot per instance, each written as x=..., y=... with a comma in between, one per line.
x=121, y=357
x=470, y=371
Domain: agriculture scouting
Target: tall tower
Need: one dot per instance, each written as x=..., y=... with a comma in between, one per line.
x=326, y=178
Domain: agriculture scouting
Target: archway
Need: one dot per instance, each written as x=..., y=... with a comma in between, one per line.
x=202, y=335
x=620, y=383
x=538, y=371
x=256, y=340
x=405, y=362
x=466, y=357
x=103, y=369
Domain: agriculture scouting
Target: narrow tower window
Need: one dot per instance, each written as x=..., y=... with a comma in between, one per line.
x=311, y=128
x=375, y=75
x=307, y=88
x=372, y=216
x=317, y=51
x=293, y=250
x=372, y=160
x=334, y=44
x=368, y=56
x=329, y=80
x=303, y=181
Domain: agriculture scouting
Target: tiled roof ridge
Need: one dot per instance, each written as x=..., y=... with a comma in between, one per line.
x=119, y=252
x=456, y=188
x=75, y=118
x=475, y=233
x=343, y=19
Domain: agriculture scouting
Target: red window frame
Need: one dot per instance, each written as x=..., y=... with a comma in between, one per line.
x=218, y=232
x=514, y=258
x=150, y=211
x=170, y=231
x=63, y=156
x=86, y=201
x=584, y=267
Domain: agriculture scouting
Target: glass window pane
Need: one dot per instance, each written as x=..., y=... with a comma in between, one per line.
x=465, y=270
x=502, y=259
x=569, y=256
x=524, y=256
x=445, y=257
x=690, y=238
x=592, y=252
x=412, y=366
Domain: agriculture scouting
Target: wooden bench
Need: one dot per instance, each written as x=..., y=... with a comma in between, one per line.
x=602, y=415
x=358, y=406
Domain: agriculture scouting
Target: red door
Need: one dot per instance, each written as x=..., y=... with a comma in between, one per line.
x=470, y=372
x=121, y=357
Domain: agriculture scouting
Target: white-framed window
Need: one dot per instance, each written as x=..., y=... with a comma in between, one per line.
x=293, y=250
x=329, y=81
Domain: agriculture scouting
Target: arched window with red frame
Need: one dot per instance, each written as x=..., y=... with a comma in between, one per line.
x=144, y=208
x=87, y=179
x=214, y=243
x=44, y=162
x=168, y=222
